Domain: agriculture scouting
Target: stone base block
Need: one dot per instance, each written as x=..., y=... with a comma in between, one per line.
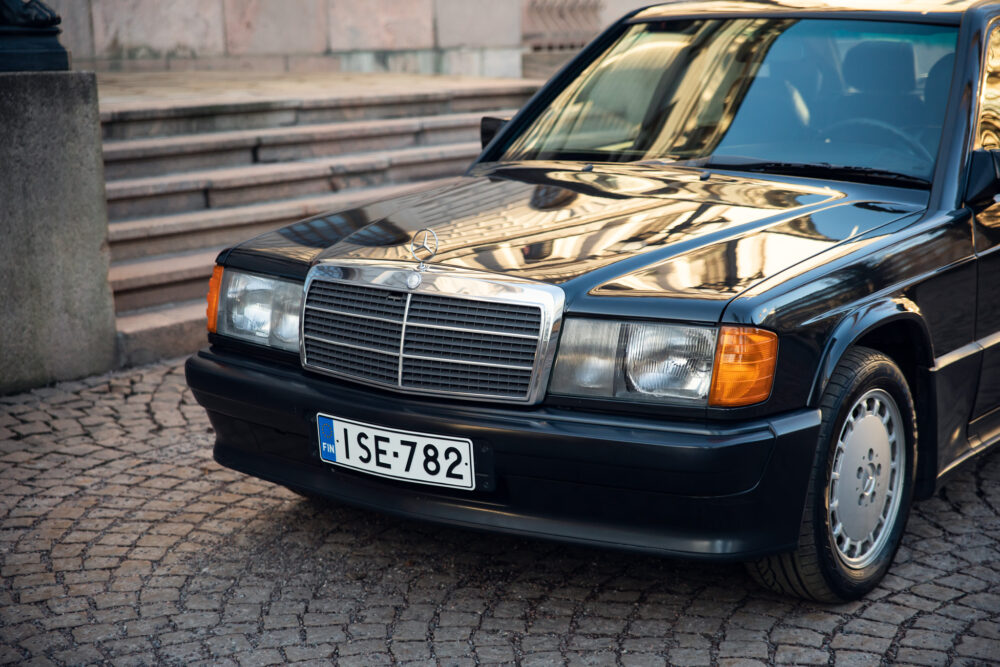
x=148, y=337
x=58, y=319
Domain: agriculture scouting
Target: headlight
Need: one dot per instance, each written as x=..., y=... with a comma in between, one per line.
x=664, y=363
x=636, y=360
x=258, y=309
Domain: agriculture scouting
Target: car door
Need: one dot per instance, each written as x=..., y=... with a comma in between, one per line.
x=985, y=424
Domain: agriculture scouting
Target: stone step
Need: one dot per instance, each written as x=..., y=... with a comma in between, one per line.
x=181, y=273
x=236, y=186
x=158, y=333
x=168, y=117
x=138, y=158
x=160, y=301
x=181, y=232
x=193, y=166
x=154, y=281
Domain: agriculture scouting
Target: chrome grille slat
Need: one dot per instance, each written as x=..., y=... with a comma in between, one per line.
x=499, y=381
x=462, y=362
x=374, y=366
x=470, y=347
x=339, y=343
x=425, y=325
x=341, y=313
x=413, y=341
x=368, y=333
x=484, y=315
x=358, y=300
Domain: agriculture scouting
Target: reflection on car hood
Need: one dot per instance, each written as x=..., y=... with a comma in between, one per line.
x=612, y=230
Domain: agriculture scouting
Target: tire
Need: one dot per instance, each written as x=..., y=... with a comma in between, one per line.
x=853, y=520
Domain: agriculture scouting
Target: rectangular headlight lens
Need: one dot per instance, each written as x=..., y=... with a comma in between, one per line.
x=641, y=361
x=260, y=309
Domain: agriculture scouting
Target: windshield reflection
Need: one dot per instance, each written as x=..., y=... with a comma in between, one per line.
x=573, y=223
x=852, y=93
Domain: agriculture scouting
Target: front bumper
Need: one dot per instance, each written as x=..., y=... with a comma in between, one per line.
x=732, y=491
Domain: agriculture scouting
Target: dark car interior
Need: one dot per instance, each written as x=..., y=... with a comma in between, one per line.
x=874, y=98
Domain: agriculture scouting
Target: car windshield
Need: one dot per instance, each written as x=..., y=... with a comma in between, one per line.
x=756, y=93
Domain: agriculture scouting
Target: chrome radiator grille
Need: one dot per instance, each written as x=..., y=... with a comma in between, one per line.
x=420, y=342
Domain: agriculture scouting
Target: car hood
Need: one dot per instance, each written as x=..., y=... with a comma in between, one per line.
x=634, y=231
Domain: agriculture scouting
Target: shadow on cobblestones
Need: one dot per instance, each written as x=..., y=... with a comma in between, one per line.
x=122, y=542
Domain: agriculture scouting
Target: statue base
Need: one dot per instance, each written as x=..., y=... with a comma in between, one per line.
x=32, y=50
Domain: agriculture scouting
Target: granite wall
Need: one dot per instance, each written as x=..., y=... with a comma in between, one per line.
x=471, y=37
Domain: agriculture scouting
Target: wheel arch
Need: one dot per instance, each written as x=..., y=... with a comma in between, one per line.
x=896, y=328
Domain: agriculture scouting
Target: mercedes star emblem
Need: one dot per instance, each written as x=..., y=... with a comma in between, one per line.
x=423, y=247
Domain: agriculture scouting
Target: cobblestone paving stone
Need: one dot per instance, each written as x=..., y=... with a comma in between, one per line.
x=122, y=542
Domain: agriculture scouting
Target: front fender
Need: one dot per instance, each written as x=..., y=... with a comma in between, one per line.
x=862, y=321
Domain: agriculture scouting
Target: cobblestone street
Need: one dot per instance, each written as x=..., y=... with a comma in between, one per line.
x=122, y=542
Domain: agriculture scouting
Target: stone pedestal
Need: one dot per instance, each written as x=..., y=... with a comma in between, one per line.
x=56, y=312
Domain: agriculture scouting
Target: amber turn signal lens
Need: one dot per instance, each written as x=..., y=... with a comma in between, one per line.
x=214, y=285
x=744, y=366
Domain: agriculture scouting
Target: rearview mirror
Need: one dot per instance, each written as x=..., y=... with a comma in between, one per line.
x=984, y=178
x=489, y=126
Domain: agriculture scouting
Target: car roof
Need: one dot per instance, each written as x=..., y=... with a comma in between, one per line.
x=950, y=10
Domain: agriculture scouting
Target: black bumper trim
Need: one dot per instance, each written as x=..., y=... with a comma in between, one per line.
x=607, y=480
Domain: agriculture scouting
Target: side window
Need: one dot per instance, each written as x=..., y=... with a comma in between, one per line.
x=988, y=130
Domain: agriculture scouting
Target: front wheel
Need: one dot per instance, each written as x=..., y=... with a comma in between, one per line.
x=860, y=487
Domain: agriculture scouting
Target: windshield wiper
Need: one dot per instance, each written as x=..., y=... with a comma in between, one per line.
x=814, y=170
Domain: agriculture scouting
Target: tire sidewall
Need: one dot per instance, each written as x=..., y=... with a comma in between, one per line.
x=846, y=582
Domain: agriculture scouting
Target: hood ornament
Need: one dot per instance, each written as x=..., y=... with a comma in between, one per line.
x=423, y=247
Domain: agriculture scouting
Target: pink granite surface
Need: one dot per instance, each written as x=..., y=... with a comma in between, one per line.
x=477, y=23
x=275, y=26
x=134, y=28
x=471, y=37
x=381, y=24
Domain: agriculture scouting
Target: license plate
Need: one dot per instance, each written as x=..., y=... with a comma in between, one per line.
x=407, y=455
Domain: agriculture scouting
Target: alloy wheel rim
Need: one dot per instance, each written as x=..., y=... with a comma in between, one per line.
x=865, y=484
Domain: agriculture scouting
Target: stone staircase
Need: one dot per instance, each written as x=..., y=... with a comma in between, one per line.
x=184, y=180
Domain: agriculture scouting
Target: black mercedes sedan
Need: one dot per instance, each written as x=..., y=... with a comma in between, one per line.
x=720, y=290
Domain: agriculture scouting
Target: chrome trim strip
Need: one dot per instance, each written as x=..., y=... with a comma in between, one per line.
x=422, y=357
x=475, y=331
x=331, y=311
x=350, y=345
x=956, y=355
x=342, y=313
x=402, y=338
x=966, y=350
x=454, y=283
x=467, y=362
x=989, y=341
